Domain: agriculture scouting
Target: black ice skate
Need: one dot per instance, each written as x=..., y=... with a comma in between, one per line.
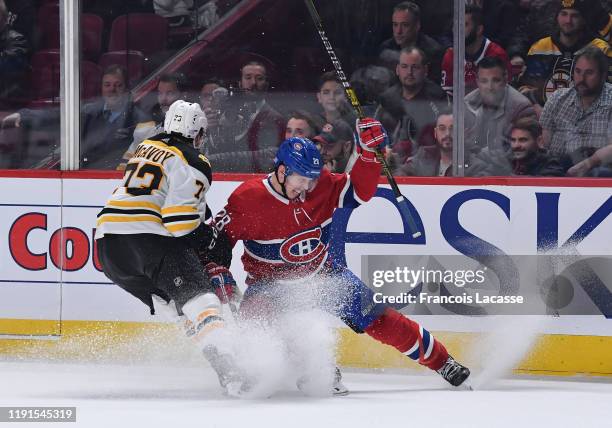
x=233, y=381
x=453, y=372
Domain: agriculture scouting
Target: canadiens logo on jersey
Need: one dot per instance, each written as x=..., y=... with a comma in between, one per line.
x=302, y=247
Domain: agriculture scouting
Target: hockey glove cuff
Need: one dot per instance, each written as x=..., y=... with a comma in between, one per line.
x=223, y=283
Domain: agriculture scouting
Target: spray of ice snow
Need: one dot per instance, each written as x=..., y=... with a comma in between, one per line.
x=509, y=339
x=506, y=343
x=287, y=340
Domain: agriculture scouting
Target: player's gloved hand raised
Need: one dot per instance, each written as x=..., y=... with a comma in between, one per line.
x=223, y=283
x=371, y=134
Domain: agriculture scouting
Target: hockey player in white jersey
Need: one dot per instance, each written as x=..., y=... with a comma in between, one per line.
x=150, y=230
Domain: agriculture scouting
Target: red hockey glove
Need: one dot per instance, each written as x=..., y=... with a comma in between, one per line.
x=223, y=283
x=371, y=134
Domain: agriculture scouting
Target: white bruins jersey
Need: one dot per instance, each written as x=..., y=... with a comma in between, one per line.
x=163, y=192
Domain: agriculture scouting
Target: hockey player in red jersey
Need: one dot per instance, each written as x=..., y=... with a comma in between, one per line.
x=284, y=222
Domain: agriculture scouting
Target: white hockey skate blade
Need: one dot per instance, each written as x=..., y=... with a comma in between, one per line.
x=466, y=385
x=339, y=390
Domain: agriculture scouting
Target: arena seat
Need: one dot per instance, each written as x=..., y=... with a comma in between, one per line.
x=145, y=32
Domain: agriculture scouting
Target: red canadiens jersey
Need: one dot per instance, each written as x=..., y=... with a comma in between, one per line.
x=289, y=239
x=489, y=48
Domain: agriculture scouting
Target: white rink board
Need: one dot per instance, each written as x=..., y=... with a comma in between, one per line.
x=87, y=295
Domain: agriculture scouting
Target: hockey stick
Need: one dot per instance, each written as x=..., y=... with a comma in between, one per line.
x=231, y=304
x=402, y=203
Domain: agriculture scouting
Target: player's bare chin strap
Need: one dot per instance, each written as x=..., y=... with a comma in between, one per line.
x=282, y=184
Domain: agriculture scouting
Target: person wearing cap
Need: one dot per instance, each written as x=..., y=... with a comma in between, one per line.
x=550, y=60
x=336, y=146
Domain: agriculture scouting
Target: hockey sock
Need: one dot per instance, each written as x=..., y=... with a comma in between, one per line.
x=408, y=337
x=204, y=311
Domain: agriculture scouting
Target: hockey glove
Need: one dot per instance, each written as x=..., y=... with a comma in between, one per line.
x=371, y=134
x=223, y=283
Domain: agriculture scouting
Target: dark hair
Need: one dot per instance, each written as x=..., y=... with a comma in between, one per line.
x=528, y=124
x=257, y=63
x=116, y=69
x=304, y=115
x=328, y=76
x=476, y=13
x=213, y=80
x=414, y=48
x=408, y=6
x=178, y=78
x=489, y=62
x=444, y=111
x=596, y=55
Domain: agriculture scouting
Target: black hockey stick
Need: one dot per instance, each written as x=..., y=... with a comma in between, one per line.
x=352, y=98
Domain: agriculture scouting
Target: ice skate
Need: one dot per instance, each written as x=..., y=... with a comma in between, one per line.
x=234, y=381
x=454, y=373
x=338, y=388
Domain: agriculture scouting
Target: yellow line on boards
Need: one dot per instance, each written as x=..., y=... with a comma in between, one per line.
x=552, y=354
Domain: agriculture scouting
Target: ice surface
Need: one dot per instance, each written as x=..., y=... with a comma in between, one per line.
x=153, y=395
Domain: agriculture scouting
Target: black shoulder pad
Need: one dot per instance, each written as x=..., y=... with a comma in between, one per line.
x=195, y=159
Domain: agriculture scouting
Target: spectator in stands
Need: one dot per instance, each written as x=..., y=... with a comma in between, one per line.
x=477, y=47
x=406, y=25
x=107, y=124
x=550, y=60
x=177, y=12
x=13, y=60
x=170, y=87
x=337, y=146
x=22, y=17
x=333, y=101
x=252, y=128
x=491, y=109
x=369, y=83
x=435, y=160
x=213, y=100
x=525, y=156
x=580, y=117
x=599, y=164
x=409, y=109
x=206, y=93
x=301, y=124
x=540, y=20
x=500, y=18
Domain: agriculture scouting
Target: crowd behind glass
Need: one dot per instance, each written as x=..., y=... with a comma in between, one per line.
x=537, y=76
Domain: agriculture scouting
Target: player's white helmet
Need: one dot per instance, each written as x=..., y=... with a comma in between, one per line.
x=186, y=119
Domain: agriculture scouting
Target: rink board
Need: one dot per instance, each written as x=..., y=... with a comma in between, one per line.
x=38, y=297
